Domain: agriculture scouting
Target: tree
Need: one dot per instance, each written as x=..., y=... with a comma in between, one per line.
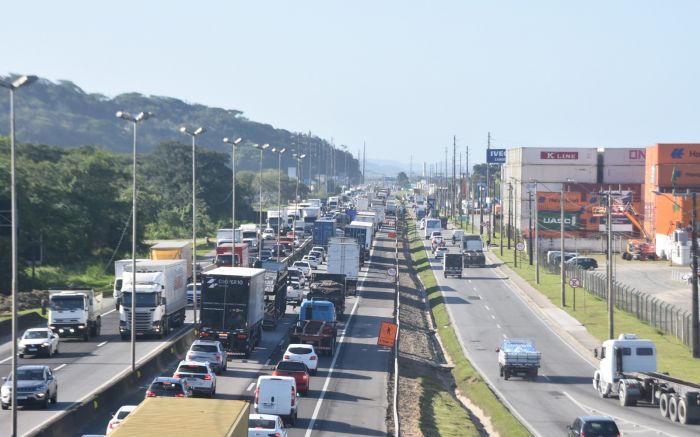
x=402, y=180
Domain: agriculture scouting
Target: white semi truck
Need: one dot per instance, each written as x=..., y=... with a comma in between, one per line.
x=161, y=297
x=118, y=271
x=628, y=370
x=75, y=313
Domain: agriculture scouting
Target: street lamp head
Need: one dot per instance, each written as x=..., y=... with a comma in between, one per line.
x=199, y=131
x=184, y=130
x=282, y=150
x=265, y=146
x=302, y=156
x=124, y=116
x=144, y=116
x=24, y=80
x=273, y=150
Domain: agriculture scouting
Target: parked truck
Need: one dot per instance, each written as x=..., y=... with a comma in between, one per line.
x=518, y=356
x=233, y=308
x=628, y=370
x=473, y=251
x=75, y=313
x=324, y=229
x=316, y=326
x=276, y=279
x=176, y=417
x=160, y=298
x=344, y=259
x=452, y=265
x=168, y=250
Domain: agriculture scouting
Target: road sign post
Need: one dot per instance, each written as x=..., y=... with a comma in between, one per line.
x=575, y=283
x=387, y=334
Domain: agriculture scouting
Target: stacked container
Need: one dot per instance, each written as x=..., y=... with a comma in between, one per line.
x=623, y=165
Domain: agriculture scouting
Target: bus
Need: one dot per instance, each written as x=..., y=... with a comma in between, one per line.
x=431, y=225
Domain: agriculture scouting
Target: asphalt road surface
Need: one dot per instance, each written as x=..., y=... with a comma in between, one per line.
x=486, y=307
x=348, y=394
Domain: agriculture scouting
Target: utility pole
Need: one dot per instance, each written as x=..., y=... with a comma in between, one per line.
x=561, y=259
x=537, y=240
x=695, y=326
x=529, y=234
x=515, y=229
x=611, y=295
x=500, y=221
x=454, y=175
x=510, y=212
x=364, y=161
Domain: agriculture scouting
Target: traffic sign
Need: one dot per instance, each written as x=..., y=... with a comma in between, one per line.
x=520, y=246
x=391, y=271
x=575, y=282
x=387, y=334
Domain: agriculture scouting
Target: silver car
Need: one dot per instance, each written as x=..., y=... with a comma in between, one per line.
x=211, y=351
x=199, y=377
x=36, y=385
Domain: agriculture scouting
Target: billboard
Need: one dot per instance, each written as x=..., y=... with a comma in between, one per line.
x=495, y=156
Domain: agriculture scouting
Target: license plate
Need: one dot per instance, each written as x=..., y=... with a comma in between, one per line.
x=268, y=404
x=21, y=398
x=31, y=348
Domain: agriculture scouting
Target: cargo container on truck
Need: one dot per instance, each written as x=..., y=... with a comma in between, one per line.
x=224, y=257
x=276, y=278
x=452, y=265
x=344, y=259
x=275, y=217
x=473, y=251
x=333, y=202
x=363, y=232
x=233, y=308
x=361, y=204
x=225, y=235
x=169, y=250
x=75, y=313
x=323, y=230
x=178, y=417
x=161, y=298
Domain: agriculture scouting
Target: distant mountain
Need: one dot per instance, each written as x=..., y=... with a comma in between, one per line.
x=386, y=167
x=62, y=114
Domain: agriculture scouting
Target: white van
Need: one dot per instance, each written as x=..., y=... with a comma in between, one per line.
x=277, y=395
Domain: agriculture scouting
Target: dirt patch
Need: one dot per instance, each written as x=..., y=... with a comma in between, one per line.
x=25, y=300
x=420, y=354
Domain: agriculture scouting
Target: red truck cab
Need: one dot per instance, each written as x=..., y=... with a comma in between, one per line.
x=224, y=256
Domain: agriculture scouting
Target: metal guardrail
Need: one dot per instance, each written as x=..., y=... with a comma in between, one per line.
x=663, y=316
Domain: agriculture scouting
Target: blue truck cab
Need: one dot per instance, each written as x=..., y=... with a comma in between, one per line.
x=319, y=310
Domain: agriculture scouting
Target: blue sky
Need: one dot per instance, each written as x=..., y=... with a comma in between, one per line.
x=402, y=75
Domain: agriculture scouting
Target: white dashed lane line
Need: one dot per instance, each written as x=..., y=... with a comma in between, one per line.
x=250, y=387
x=102, y=344
x=59, y=367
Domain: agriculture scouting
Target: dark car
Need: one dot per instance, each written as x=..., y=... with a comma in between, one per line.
x=593, y=426
x=583, y=262
x=298, y=371
x=169, y=387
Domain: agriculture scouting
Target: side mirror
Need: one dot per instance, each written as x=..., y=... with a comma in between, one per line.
x=595, y=352
x=4, y=378
x=298, y=394
x=498, y=349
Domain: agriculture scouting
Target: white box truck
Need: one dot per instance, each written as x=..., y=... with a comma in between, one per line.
x=344, y=259
x=75, y=313
x=118, y=270
x=161, y=297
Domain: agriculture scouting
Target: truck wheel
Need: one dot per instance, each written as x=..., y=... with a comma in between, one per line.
x=673, y=408
x=683, y=411
x=54, y=398
x=124, y=337
x=21, y=355
x=5, y=406
x=86, y=336
x=506, y=374
x=663, y=404
x=603, y=391
x=622, y=395
x=533, y=373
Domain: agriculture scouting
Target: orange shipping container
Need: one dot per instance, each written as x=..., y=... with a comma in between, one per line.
x=672, y=212
x=662, y=175
x=673, y=154
x=551, y=201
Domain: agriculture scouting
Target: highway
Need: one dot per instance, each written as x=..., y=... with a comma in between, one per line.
x=485, y=307
x=348, y=395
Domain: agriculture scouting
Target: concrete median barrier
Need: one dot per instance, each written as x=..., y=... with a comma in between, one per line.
x=108, y=397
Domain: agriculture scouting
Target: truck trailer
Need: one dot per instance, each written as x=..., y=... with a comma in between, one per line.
x=316, y=326
x=276, y=278
x=344, y=259
x=167, y=250
x=233, y=308
x=473, y=251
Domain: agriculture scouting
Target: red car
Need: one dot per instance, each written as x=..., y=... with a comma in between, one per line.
x=298, y=371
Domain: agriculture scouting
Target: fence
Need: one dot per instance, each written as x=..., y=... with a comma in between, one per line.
x=663, y=316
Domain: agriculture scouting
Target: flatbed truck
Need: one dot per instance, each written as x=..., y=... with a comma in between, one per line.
x=316, y=326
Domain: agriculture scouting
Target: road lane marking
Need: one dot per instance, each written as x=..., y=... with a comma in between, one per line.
x=6, y=359
x=250, y=387
x=498, y=326
x=59, y=367
x=109, y=312
x=102, y=344
x=317, y=408
x=487, y=307
x=504, y=336
x=470, y=281
x=493, y=317
x=267, y=362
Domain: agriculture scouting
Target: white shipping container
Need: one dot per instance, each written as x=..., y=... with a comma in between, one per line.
x=623, y=156
x=583, y=174
x=552, y=156
x=623, y=174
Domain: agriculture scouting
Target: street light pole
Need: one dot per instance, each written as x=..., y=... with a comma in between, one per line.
x=194, y=134
x=12, y=86
x=233, y=144
x=695, y=328
x=296, y=194
x=537, y=240
x=611, y=295
x=134, y=121
x=279, y=196
x=260, y=241
x=529, y=225
x=561, y=258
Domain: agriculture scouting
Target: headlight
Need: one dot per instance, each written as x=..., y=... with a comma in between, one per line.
x=81, y=326
x=46, y=344
x=5, y=389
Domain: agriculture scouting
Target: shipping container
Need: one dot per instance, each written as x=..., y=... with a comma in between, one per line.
x=623, y=174
x=613, y=156
x=587, y=174
x=670, y=176
x=673, y=154
x=552, y=156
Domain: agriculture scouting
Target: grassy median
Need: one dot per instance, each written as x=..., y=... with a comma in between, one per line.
x=592, y=312
x=467, y=378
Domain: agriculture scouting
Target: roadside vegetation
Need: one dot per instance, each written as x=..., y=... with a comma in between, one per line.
x=468, y=380
x=592, y=312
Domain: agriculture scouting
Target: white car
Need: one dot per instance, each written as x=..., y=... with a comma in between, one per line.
x=269, y=234
x=318, y=255
x=211, y=351
x=119, y=416
x=294, y=293
x=441, y=251
x=38, y=341
x=313, y=262
x=320, y=249
x=199, y=376
x=264, y=425
x=304, y=353
x=304, y=266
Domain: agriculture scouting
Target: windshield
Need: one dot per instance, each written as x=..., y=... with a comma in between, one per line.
x=142, y=299
x=36, y=334
x=66, y=303
x=204, y=348
x=166, y=388
x=30, y=375
x=250, y=234
x=121, y=414
x=291, y=366
x=261, y=424
x=223, y=260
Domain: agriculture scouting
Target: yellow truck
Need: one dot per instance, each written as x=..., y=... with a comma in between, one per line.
x=165, y=250
x=186, y=417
